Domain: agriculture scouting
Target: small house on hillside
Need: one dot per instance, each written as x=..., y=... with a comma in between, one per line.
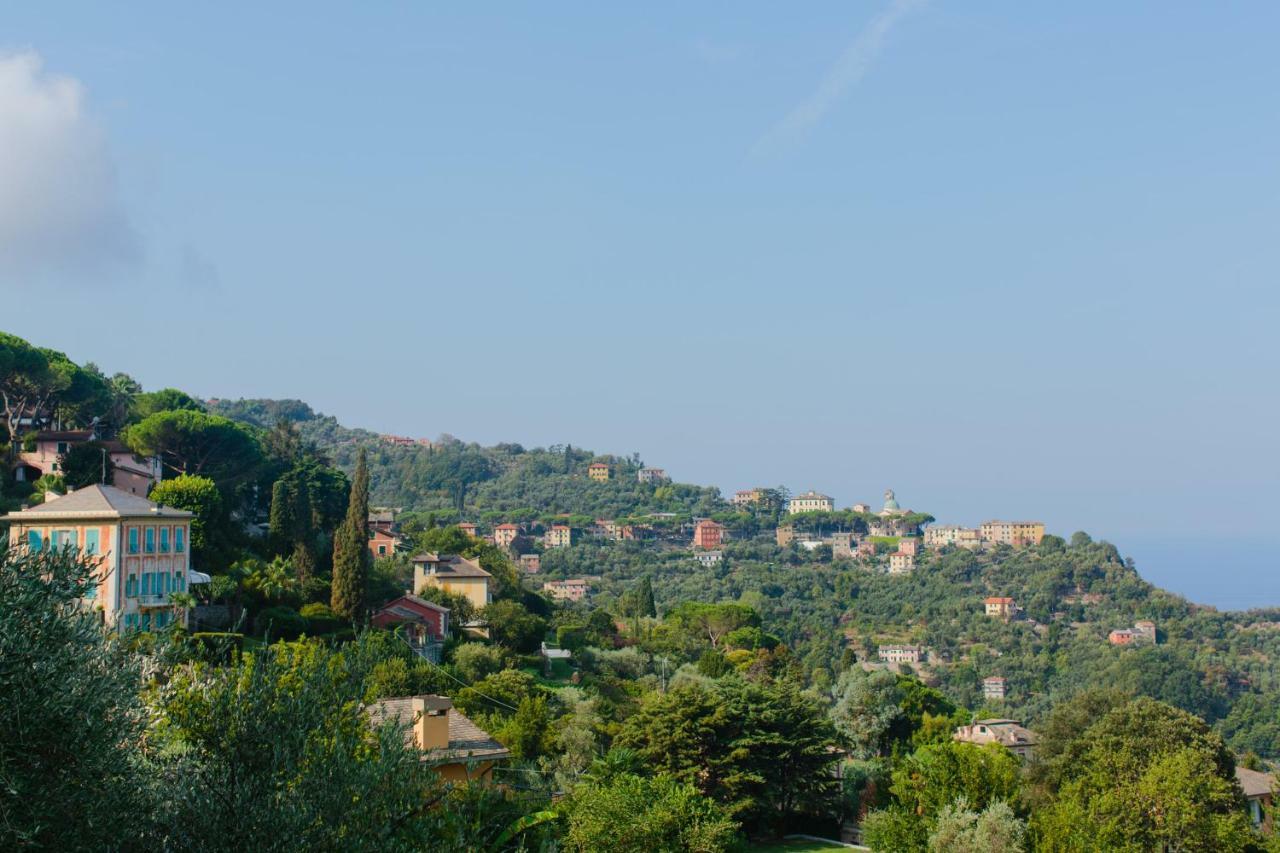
x=458, y=749
x=424, y=624
x=1010, y=734
x=1259, y=790
x=454, y=574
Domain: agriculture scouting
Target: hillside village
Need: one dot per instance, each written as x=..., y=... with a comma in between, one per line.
x=514, y=616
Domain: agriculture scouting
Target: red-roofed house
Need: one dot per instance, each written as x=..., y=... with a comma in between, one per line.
x=1000, y=606
x=505, y=534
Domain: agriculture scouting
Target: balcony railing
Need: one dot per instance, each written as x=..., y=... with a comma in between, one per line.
x=153, y=599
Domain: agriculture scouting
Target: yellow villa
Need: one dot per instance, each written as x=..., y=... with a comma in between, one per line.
x=454, y=574
x=142, y=550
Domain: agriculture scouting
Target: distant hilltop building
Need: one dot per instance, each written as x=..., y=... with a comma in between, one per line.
x=811, y=501
x=900, y=563
x=1015, y=533
x=598, y=471
x=748, y=497
x=559, y=536
x=651, y=475
x=405, y=441
x=468, y=527
x=133, y=474
x=574, y=589
x=993, y=687
x=1018, y=534
x=1002, y=607
x=505, y=534
x=1008, y=733
x=865, y=509
x=1143, y=631
x=900, y=654
x=953, y=534
x=708, y=534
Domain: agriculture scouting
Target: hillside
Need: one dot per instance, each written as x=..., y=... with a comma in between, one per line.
x=1220, y=666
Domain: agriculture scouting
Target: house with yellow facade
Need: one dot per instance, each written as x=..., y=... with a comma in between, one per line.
x=140, y=550
x=598, y=471
x=458, y=749
x=454, y=574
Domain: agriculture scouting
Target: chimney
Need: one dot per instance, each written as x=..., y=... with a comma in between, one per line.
x=431, y=721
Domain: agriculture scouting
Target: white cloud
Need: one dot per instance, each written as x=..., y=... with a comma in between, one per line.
x=851, y=66
x=59, y=205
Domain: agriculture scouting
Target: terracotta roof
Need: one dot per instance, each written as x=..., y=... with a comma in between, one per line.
x=466, y=740
x=999, y=600
x=1255, y=783
x=453, y=565
x=507, y=526
x=391, y=606
x=97, y=502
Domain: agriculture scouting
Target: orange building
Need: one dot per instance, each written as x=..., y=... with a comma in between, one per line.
x=382, y=543
x=707, y=534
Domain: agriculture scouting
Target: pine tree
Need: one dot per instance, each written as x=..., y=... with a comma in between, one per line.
x=351, y=557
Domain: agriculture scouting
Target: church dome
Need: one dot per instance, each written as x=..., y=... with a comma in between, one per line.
x=890, y=502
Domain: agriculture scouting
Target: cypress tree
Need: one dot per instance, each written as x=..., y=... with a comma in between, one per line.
x=644, y=598
x=351, y=557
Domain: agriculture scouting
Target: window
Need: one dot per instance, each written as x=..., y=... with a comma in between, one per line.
x=131, y=585
x=164, y=540
x=146, y=583
x=133, y=540
x=179, y=539
x=150, y=540
x=131, y=621
x=62, y=447
x=34, y=540
x=382, y=550
x=179, y=583
x=91, y=541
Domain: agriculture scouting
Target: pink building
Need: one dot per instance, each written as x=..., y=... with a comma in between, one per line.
x=468, y=528
x=141, y=551
x=132, y=474
x=531, y=563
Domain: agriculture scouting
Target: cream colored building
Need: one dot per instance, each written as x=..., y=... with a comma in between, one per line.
x=598, y=471
x=1008, y=733
x=811, y=501
x=953, y=534
x=1015, y=533
x=558, y=536
x=455, y=575
x=141, y=550
x=900, y=563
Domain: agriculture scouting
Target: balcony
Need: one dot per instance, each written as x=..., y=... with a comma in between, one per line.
x=153, y=599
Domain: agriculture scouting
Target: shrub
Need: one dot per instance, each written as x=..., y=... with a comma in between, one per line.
x=216, y=646
x=280, y=623
x=475, y=661
x=321, y=619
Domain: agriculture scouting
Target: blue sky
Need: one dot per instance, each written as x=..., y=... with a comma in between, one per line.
x=1010, y=260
